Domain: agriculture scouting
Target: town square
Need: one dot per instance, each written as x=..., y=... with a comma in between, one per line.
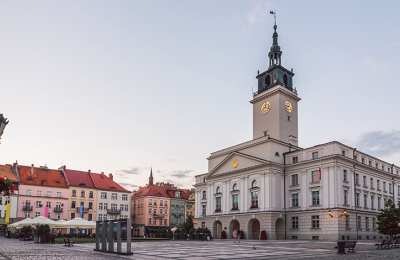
x=260, y=129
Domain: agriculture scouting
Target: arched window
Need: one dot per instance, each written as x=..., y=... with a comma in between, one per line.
x=285, y=80
x=204, y=196
x=235, y=187
x=218, y=198
x=254, y=184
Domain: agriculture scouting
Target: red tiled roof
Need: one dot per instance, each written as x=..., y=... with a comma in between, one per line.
x=78, y=178
x=152, y=190
x=41, y=177
x=104, y=182
x=6, y=171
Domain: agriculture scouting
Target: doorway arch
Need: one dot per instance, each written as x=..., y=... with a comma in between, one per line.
x=217, y=228
x=280, y=229
x=234, y=225
x=254, y=229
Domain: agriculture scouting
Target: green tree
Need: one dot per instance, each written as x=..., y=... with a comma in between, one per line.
x=188, y=227
x=389, y=219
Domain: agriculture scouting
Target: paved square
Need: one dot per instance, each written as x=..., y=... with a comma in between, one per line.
x=193, y=250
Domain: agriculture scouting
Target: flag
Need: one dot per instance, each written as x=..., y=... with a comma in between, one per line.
x=46, y=211
x=7, y=213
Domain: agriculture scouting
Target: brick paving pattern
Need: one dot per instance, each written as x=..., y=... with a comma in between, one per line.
x=193, y=250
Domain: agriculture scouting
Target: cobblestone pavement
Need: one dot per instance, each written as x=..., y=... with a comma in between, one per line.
x=193, y=250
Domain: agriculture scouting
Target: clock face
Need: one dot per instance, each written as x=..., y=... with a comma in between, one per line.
x=265, y=107
x=288, y=106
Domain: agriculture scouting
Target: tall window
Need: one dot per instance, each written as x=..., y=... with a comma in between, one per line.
x=203, y=211
x=254, y=195
x=367, y=223
x=295, y=222
x=345, y=176
x=346, y=197
x=295, y=159
x=384, y=186
x=316, y=176
x=365, y=201
x=357, y=179
x=315, y=155
x=359, y=223
x=347, y=222
x=125, y=197
x=315, y=222
x=103, y=195
x=295, y=200
x=315, y=197
x=295, y=180
x=371, y=183
x=114, y=196
x=91, y=194
x=218, y=204
x=204, y=195
x=235, y=201
x=379, y=203
x=373, y=223
x=372, y=202
x=365, y=181
x=73, y=193
x=357, y=200
x=378, y=185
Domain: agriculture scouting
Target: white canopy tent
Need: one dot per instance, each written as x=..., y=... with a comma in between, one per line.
x=79, y=223
x=21, y=223
x=40, y=220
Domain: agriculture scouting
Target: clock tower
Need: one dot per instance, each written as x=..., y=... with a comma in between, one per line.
x=275, y=112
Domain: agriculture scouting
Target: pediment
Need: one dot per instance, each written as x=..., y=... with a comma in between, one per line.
x=235, y=162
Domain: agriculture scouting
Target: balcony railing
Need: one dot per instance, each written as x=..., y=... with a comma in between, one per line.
x=27, y=208
x=113, y=211
x=58, y=210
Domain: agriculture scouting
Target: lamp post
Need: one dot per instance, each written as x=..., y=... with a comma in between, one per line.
x=3, y=123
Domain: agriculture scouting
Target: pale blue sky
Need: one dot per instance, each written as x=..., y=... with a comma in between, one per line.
x=118, y=86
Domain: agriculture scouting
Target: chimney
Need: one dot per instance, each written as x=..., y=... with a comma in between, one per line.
x=32, y=169
x=111, y=176
x=89, y=171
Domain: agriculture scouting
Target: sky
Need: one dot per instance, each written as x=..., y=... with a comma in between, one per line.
x=122, y=86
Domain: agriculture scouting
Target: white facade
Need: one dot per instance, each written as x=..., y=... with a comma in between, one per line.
x=113, y=205
x=270, y=188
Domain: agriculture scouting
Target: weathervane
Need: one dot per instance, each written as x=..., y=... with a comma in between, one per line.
x=274, y=14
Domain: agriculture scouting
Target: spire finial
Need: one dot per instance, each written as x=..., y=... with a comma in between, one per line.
x=275, y=51
x=151, y=176
x=274, y=14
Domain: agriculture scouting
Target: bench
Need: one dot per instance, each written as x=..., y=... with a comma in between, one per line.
x=384, y=244
x=350, y=246
x=68, y=242
x=342, y=245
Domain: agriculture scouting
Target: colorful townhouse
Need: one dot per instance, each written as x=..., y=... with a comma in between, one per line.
x=82, y=194
x=113, y=201
x=190, y=204
x=42, y=192
x=151, y=204
x=8, y=203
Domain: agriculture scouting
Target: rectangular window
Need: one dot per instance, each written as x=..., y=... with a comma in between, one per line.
x=371, y=183
x=365, y=181
x=390, y=188
x=103, y=195
x=347, y=221
x=254, y=200
x=345, y=197
x=58, y=195
x=373, y=224
x=379, y=203
x=315, y=155
x=357, y=200
x=315, y=222
x=367, y=223
x=295, y=200
x=100, y=206
x=295, y=222
x=295, y=159
x=357, y=179
x=359, y=223
x=73, y=193
x=316, y=176
x=203, y=211
x=218, y=204
x=365, y=201
x=91, y=194
x=124, y=197
x=378, y=185
x=83, y=194
x=235, y=202
x=90, y=205
x=384, y=186
x=315, y=198
x=114, y=196
x=343, y=153
x=295, y=180
x=345, y=176
x=372, y=202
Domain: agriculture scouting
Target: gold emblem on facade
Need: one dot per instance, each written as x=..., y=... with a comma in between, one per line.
x=235, y=164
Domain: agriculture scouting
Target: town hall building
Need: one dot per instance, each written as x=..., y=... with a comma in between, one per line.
x=270, y=187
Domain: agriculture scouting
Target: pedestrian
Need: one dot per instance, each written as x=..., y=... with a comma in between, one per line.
x=234, y=235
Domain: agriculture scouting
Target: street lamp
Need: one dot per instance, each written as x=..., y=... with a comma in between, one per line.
x=3, y=123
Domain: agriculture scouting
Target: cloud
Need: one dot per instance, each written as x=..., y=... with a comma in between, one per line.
x=257, y=11
x=380, y=143
x=128, y=186
x=132, y=171
x=181, y=173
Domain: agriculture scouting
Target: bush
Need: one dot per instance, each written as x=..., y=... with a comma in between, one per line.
x=43, y=233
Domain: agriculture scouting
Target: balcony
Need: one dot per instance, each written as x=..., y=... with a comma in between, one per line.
x=27, y=208
x=113, y=211
x=158, y=215
x=85, y=210
x=58, y=210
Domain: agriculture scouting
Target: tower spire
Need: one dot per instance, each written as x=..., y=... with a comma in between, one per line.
x=151, y=176
x=275, y=52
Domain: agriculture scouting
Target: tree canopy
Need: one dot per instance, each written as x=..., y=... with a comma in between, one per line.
x=389, y=220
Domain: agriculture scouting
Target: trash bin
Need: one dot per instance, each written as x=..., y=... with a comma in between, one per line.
x=340, y=247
